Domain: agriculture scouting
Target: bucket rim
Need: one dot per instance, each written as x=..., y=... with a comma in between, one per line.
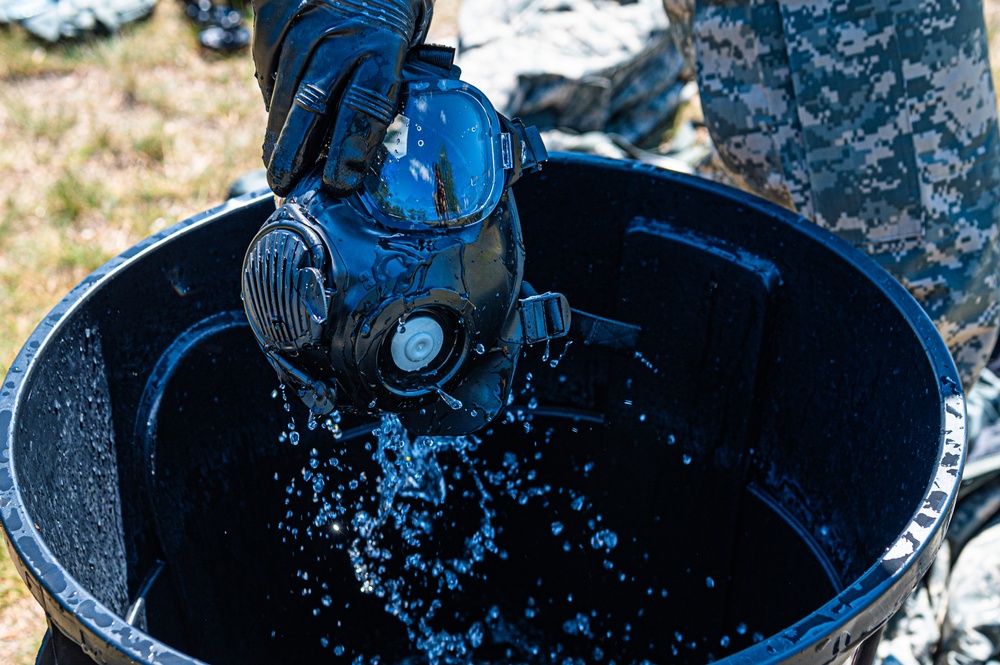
x=830, y=631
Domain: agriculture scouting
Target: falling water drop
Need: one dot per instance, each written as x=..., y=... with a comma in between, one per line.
x=452, y=402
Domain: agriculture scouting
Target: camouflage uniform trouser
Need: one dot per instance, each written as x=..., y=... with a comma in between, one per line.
x=875, y=118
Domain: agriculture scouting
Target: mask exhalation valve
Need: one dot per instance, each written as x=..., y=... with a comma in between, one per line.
x=416, y=343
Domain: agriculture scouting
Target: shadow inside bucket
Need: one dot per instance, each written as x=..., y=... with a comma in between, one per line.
x=589, y=555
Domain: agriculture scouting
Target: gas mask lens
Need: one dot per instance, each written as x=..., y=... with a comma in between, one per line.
x=444, y=161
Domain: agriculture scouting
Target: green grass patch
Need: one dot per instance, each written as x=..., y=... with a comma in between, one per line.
x=23, y=56
x=80, y=258
x=73, y=195
x=12, y=588
x=50, y=122
x=153, y=144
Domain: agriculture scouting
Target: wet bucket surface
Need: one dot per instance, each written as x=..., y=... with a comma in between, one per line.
x=764, y=479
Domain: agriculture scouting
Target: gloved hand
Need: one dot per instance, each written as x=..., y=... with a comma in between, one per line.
x=330, y=71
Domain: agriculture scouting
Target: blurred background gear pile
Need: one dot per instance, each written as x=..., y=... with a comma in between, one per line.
x=57, y=20
x=223, y=27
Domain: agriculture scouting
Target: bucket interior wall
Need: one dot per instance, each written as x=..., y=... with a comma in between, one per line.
x=757, y=452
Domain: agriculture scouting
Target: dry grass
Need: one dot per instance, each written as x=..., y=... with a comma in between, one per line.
x=101, y=144
x=105, y=143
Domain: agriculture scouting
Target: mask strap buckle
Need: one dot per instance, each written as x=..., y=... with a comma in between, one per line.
x=431, y=60
x=529, y=150
x=544, y=317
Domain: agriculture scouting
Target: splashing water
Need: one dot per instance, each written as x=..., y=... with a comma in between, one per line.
x=402, y=548
x=555, y=361
x=646, y=362
x=421, y=526
x=412, y=477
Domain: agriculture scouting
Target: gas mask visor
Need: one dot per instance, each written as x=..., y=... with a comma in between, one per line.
x=447, y=158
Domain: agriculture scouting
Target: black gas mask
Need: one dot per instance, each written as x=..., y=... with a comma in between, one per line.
x=407, y=297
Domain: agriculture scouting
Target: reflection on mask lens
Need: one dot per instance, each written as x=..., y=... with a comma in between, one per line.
x=440, y=164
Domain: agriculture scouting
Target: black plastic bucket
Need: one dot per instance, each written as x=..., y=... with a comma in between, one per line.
x=764, y=478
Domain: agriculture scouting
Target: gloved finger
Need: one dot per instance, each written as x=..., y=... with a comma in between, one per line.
x=368, y=105
x=291, y=69
x=307, y=124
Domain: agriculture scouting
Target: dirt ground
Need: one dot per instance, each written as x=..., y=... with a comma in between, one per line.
x=102, y=144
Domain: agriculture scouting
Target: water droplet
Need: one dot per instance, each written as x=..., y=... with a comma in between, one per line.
x=605, y=539
x=555, y=362
x=452, y=402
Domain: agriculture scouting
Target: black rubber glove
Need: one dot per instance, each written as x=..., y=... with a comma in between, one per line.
x=329, y=71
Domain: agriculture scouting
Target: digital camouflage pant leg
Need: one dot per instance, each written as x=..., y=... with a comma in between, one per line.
x=877, y=119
